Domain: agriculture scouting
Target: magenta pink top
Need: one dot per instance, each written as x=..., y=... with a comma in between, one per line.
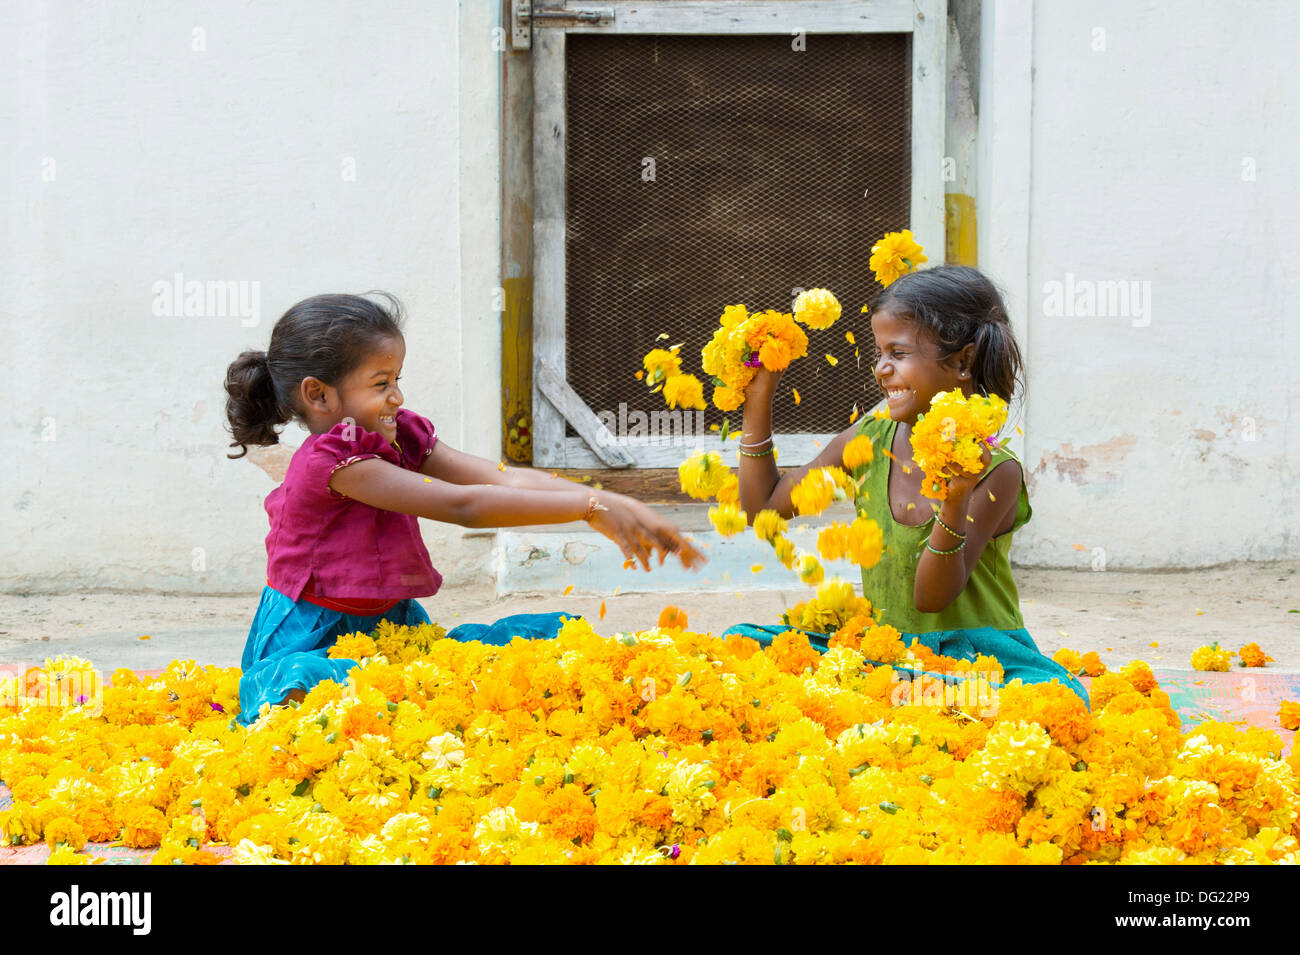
x=346, y=548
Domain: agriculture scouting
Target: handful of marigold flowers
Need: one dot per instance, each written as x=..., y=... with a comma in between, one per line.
x=741, y=343
x=953, y=433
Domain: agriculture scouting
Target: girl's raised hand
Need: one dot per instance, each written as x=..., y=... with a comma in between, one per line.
x=763, y=385
x=639, y=531
x=961, y=482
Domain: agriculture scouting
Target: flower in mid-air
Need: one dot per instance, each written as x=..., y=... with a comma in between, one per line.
x=816, y=308
x=896, y=254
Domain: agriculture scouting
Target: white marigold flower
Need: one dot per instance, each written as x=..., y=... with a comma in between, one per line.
x=249, y=852
x=501, y=826
x=444, y=751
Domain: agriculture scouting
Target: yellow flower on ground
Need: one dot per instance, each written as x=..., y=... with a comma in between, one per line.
x=66, y=855
x=1212, y=658
x=816, y=308
x=1252, y=656
x=1071, y=660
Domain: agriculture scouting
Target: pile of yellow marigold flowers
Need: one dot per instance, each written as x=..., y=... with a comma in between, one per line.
x=662, y=746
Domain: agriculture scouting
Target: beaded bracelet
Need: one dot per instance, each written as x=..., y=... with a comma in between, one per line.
x=940, y=522
x=757, y=454
x=944, y=553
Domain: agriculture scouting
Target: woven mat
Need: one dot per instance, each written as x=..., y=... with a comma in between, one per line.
x=1242, y=697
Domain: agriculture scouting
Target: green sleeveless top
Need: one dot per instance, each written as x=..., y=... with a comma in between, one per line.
x=989, y=599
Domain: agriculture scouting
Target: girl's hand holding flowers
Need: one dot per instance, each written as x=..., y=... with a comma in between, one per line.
x=763, y=388
x=962, y=482
x=951, y=441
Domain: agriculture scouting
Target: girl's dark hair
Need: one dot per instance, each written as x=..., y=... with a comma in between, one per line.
x=956, y=305
x=325, y=337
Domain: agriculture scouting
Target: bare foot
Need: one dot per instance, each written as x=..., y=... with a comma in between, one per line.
x=296, y=696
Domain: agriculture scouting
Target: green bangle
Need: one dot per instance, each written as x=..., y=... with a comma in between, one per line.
x=944, y=553
x=756, y=454
x=939, y=521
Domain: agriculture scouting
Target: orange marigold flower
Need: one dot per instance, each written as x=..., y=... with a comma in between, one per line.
x=672, y=618
x=143, y=827
x=1139, y=675
x=775, y=354
x=1252, y=656
x=97, y=822
x=792, y=653
x=67, y=831
x=1092, y=665
x=1289, y=715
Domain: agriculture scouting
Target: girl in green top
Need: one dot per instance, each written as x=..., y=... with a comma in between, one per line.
x=945, y=581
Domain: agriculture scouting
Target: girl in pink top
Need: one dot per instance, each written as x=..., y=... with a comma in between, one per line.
x=344, y=550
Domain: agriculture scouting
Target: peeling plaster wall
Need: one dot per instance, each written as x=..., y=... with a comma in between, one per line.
x=1167, y=437
x=216, y=141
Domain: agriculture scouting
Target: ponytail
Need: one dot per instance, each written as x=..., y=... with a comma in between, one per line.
x=251, y=405
x=996, y=363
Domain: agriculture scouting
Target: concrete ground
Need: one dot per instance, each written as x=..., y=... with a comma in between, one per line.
x=1118, y=614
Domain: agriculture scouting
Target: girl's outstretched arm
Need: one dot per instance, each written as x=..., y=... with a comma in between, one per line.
x=638, y=531
x=456, y=467
x=969, y=510
x=761, y=484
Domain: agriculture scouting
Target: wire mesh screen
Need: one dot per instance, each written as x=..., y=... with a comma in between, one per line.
x=716, y=170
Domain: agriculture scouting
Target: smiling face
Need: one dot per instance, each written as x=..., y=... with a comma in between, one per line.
x=908, y=368
x=369, y=394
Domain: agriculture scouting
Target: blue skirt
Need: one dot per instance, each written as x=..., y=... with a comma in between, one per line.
x=288, y=643
x=1014, y=649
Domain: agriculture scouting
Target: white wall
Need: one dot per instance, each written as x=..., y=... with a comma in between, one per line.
x=1167, y=439
x=225, y=163
x=130, y=156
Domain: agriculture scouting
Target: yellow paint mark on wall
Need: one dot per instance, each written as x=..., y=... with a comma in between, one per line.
x=517, y=370
x=961, y=244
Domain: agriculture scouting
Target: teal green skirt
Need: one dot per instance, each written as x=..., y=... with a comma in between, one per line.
x=288, y=643
x=1014, y=649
